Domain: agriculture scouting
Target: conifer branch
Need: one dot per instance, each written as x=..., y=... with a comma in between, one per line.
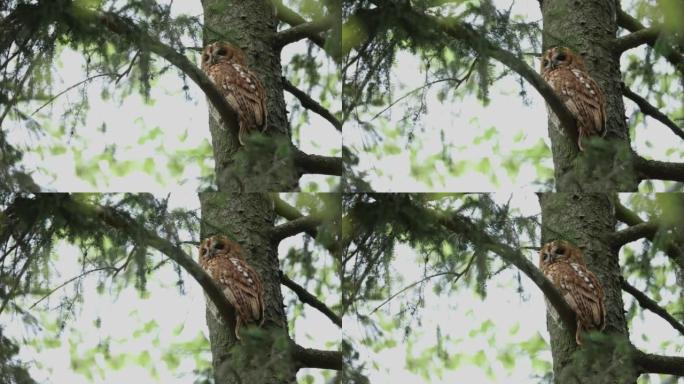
x=127, y=29
x=468, y=230
x=122, y=222
x=455, y=28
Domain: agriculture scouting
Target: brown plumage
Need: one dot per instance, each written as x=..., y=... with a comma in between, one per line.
x=564, y=265
x=223, y=259
x=566, y=74
x=226, y=66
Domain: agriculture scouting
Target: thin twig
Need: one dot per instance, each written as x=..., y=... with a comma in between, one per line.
x=426, y=278
x=458, y=81
x=116, y=75
x=69, y=281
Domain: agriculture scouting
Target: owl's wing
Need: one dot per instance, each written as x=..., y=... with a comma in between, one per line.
x=245, y=290
x=585, y=295
x=583, y=98
x=241, y=286
x=589, y=100
x=247, y=92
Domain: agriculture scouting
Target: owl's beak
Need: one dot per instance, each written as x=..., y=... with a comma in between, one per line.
x=211, y=252
x=553, y=63
x=212, y=59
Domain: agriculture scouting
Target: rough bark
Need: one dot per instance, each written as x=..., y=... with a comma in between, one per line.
x=251, y=25
x=588, y=220
x=589, y=28
x=249, y=218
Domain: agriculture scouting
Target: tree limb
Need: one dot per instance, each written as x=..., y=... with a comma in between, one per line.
x=307, y=298
x=285, y=210
x=672, y=250
x=633, y=233
x=648, y=303
x=667, y=365
x=311, y=104
x=311, y=30
x=288, y=16
x=122, y=222
x=316, y=164
x=633, y=25
x=316, y=358
x=294, y=227
x=650, y=110
x=637, y=38
x=289, y=212
x=626, y=215
x=658, y=170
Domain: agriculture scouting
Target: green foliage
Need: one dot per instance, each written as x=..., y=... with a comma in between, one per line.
x=11, y=370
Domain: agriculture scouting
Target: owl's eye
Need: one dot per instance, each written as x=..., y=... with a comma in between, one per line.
x=560, y=251
x=219, y=245
x=203, y=251
x=545, y=62
x=561, y=57
x=221, y=52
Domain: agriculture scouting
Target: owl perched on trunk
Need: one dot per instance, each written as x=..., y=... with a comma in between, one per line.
x=565, y=73
x=563, y=264
x=224, y=261
x=226, y=66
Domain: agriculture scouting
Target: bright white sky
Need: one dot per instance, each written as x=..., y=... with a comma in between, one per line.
x=183, y=122
x=459, y=313
x=462, y=121
x=126, y=312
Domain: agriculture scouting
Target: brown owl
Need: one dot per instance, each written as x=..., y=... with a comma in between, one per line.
x=563, y=264
x=224, y=261
x=226, y=66
x=565, y=73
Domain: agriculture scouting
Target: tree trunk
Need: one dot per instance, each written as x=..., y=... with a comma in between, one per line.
x=589, y=27
x=251, y=25
x=587, y=220
x=249, y=219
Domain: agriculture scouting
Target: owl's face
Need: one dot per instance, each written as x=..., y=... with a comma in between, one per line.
x=222, y=51
x=559, y=251
x=559, y=57
x=217, y=245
